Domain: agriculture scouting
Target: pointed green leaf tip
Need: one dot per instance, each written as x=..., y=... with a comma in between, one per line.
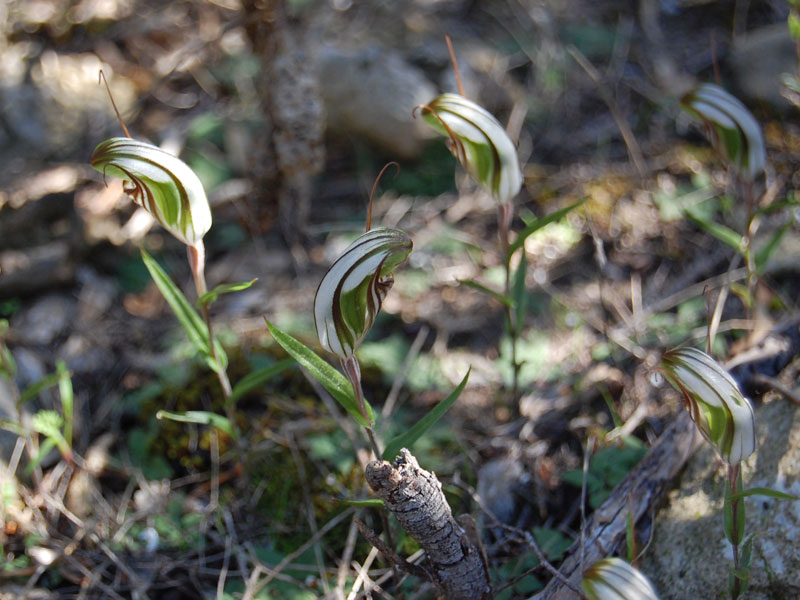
x=614, y=579
x=717, y=406
x=731, y=126
x=159, y=182
x=351, y=293
x=479, y=143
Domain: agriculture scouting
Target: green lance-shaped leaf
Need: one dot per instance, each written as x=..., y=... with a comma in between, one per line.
x=159, y=182
x=351, y=293
x=614, y=579
x=731, y=126
x=331, y=379
x=479, y=143
x=408, y=437
x=719, y=409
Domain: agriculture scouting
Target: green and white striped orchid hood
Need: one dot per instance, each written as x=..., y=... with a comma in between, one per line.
x=352, y=291
x=717, y=406
x=731, y=126
x=614, y=579
x=479, y=143
x=159, y=182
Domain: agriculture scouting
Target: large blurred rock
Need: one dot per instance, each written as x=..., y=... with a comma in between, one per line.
x=689, y=556
x=371, y=94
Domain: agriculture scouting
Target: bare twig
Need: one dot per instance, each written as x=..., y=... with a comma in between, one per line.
x=390, y=555
x=777, y=386
x=416, y=499
x=646, y=483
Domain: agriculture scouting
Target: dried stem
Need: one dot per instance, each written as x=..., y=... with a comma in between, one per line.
x=416, y=499
x=455, y=64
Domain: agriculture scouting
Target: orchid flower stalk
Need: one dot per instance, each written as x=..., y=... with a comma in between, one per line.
x=725, y=418
x=170, y=191
x=350, y=296
x=736, y=133
x=482, y=146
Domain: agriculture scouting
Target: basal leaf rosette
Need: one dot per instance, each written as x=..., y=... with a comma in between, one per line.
x=614, y=579
x=717, y=406
x=479, y=143
x=159, y=182
x=351, y=293
x=731, y=126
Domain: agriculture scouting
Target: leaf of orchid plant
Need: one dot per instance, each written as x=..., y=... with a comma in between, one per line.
x=731, y=127
x=724, y=234
x=366, y=503
x=159, y=182
x=519, y=291
x=224, y=288
x=8, y=367
x=500, y=297
x=187, y=316
x=199, y=417
x=30, y=392
x=407, y=438
x=257, y=378
x=762, y=491
x=534, y=226
x=479, y=143
x=351, y=292
x=765, y=252
x=67, y=395
x=728, y=516
x=717, y=406
x=332, y=380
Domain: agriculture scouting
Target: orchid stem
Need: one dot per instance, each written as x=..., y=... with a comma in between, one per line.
x=505, y=216
x=197, y=259
x=353, y=372
x=733, y=484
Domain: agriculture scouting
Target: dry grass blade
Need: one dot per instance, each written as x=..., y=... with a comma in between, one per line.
x=254, y=586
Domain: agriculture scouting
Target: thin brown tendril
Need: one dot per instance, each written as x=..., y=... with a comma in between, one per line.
x=455, y=64
x=114, y=104
x=460, y=153
x=375, y=187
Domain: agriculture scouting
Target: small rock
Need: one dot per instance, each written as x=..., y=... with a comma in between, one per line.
x=372, y=94
x=43, y=322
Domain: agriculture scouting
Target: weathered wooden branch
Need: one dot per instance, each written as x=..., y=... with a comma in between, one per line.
x=640, y=490
x=416, y=499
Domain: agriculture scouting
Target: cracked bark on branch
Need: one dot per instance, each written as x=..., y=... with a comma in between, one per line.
x=640, y=490
x=416, y=499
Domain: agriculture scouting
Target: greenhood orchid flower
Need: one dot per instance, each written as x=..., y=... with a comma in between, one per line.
x=479, y=143
x=614, y=579
x=717, y=406
x=351, y=293
x=160, y=183
x=731, y=127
